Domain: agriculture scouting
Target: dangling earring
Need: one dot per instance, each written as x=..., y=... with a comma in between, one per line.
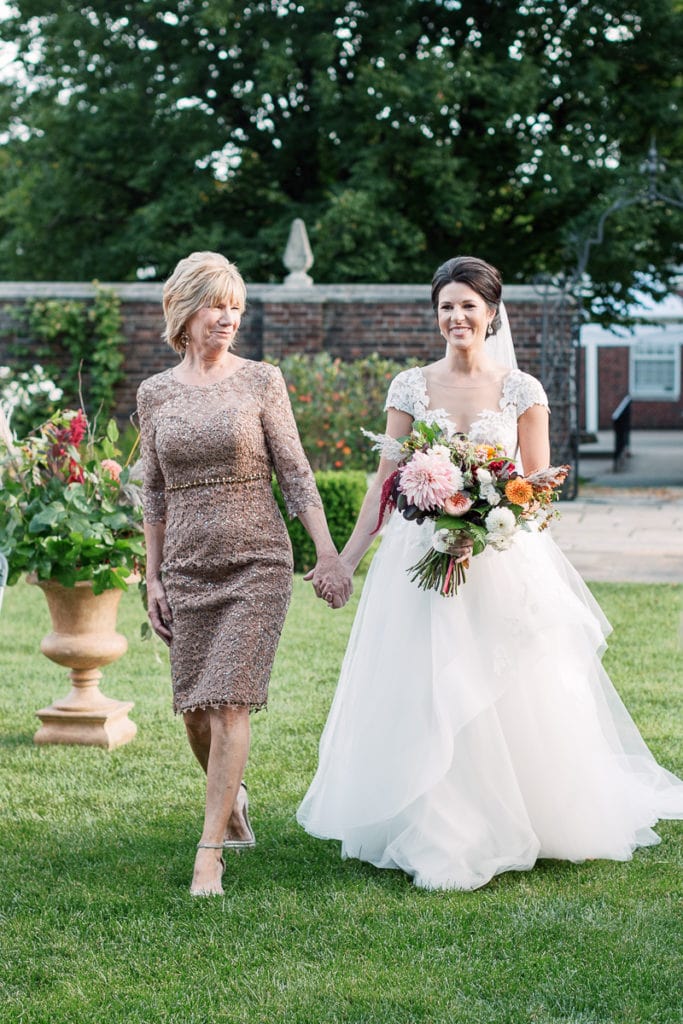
x=489, y=329
x=184, y=339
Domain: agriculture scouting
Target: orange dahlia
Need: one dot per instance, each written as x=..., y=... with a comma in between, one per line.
x=519, y=491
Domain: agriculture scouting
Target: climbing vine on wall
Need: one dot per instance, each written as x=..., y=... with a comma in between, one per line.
x=78, y=343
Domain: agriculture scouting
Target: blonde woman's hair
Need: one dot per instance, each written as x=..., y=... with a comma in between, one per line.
x=200, y=279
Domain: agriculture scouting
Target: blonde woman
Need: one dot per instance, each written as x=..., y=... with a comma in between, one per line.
x=214, y=428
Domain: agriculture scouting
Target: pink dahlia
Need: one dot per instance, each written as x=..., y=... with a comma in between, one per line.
x=428, y=479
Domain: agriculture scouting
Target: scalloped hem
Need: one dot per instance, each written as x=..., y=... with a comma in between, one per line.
x=253, y=708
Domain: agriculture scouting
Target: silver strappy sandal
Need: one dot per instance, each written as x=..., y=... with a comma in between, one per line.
x=242, y=844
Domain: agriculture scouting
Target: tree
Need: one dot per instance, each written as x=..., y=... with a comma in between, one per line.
x=402, y=131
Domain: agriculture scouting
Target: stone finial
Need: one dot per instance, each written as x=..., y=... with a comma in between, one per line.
x=298, y=256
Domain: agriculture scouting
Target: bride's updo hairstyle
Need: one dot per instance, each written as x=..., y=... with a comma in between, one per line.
x=200, y=279
x=477, y=274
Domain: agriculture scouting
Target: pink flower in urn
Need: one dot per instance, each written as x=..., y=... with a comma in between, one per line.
x=112, y=467
x=458, y=504
x=428, y=479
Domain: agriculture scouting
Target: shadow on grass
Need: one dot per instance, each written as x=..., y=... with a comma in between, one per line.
x=13, y=741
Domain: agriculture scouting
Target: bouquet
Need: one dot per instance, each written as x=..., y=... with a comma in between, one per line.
x=71, y=511
x=472, y=491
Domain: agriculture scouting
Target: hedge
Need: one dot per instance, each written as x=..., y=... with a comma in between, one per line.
x=342, y=493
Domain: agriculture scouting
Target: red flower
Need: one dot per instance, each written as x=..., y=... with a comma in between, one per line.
x=77, y=428
x=75, y=472
x=388, y=498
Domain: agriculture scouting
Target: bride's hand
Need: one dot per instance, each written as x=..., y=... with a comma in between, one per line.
x=331, y=581
x=460, y=549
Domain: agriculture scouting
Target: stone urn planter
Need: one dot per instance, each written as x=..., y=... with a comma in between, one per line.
x=83, y=639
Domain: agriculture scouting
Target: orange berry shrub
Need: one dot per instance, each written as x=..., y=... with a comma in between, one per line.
x=332, y=400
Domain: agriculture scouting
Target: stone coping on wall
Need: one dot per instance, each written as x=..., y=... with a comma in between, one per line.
x=280, y=293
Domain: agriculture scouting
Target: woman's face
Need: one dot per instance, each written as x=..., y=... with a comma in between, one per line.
x=463, y=316
x=215, y=327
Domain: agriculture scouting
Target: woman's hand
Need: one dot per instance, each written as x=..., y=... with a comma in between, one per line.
x=158, y=610
x=331, y=580
x=460, y=548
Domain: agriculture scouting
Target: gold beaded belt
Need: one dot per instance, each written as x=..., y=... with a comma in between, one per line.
x=213, y=480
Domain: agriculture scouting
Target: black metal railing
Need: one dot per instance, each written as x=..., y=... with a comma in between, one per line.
x=621, y=422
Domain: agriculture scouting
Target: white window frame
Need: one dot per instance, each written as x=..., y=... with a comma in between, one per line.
x=655, y=351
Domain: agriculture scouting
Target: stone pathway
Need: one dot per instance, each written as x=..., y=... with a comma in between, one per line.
x=624, y=535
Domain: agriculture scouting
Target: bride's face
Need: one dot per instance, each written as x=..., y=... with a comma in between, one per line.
x=463, y=316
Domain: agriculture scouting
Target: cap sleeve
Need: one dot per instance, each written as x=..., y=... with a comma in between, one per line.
x=528, y=391
x=291, y=466
x=404, y=391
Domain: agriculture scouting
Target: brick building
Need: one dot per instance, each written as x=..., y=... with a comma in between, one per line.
x=645, y=364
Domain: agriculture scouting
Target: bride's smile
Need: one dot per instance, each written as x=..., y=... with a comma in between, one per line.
x=463, y=315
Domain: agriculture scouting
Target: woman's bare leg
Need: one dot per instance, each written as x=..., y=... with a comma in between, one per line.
x=219, y=738
x=198, y=727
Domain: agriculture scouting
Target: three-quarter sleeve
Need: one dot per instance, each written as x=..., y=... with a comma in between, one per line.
x=153, y=485
x=292, y=468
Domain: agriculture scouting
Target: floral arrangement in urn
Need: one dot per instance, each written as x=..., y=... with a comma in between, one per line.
x=71, y=512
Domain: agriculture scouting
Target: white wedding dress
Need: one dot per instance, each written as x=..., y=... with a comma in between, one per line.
x=473, y=734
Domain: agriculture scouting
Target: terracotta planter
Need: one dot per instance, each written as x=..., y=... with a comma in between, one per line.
x=83, y=638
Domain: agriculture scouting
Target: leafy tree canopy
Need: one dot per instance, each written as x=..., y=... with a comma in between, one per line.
x=402, y=131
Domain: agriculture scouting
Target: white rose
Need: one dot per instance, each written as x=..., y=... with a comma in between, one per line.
x=441, y=449
x=500, y=520
x=484, y=477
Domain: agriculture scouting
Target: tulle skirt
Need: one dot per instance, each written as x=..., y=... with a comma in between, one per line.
x=473, y=734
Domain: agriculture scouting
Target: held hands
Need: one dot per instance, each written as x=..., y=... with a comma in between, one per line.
x=158, y=610
x=331, y=580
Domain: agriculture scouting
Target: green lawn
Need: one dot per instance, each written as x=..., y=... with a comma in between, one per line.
x=97, y=851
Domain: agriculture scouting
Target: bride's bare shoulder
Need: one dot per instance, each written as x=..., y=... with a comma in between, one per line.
x=432, y=370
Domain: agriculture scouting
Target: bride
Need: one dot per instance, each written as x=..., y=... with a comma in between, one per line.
x=471, y=735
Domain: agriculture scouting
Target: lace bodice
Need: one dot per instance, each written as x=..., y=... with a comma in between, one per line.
x=408, y=393
x=236, y=430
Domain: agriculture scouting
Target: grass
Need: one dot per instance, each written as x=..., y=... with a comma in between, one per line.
x=97, y=848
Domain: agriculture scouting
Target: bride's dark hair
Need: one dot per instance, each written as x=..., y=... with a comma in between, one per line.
x=477, y=274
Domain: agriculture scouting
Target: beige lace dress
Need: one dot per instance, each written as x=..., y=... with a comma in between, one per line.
x=209, y=453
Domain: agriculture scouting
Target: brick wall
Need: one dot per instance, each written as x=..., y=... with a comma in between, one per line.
x=348, y=321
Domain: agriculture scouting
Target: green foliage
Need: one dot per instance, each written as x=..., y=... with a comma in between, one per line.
x=97, y=850
x=79, y=343
x=70, y=511
x=332, y=400
x=342, y=493
x=402, y=131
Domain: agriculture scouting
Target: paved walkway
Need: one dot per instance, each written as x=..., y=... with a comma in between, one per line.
x=627, y=527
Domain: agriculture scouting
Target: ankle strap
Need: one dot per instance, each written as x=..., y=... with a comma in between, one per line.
x=209, y=846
